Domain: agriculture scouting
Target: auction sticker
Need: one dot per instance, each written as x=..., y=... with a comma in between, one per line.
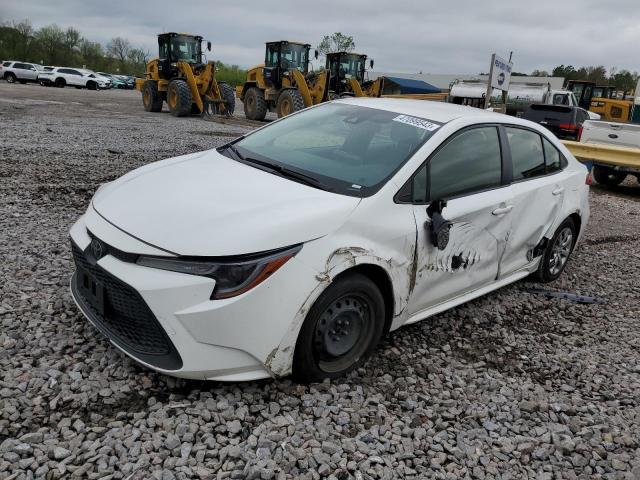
x=417, y=122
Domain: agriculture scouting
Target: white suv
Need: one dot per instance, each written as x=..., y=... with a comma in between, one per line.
x=63, y=76
x=22, y=72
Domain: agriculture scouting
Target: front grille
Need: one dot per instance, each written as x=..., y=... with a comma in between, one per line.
x=125, y=317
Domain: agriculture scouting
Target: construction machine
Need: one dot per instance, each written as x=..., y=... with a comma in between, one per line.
x=347, y=76
x=283, y=83
x=180, y=76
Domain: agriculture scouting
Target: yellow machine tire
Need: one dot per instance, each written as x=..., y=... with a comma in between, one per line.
x=255, y=106
x=289, y=101
x=151, y=98
x=179, y=98
x=229, y=96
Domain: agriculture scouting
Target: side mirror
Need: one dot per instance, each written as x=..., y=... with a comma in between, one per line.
x=371, y=63
x=208, y=46
x=315, y=53
x=439, y=226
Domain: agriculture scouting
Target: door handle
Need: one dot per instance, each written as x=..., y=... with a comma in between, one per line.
x=502, y=210
x=558, y=191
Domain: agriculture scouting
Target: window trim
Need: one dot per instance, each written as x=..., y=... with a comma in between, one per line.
x=505, y=166
x=563, y=161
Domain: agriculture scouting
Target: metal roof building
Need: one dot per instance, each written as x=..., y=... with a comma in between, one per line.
x=443, y=81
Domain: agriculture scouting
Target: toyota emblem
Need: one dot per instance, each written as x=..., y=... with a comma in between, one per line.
x=97, y=249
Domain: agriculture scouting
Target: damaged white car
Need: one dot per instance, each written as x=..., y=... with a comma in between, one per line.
x=295, y=248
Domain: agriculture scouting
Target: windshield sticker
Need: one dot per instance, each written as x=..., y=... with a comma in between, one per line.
x=417, y=122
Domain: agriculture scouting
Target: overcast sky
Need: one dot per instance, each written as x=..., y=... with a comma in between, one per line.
x=456, y=36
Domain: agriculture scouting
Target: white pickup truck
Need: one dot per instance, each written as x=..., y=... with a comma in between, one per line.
x=611, y=133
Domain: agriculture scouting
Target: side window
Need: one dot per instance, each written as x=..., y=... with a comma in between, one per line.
x=63, y=70
x=419, y=186
x=470, y=162
x=526, y=153
x=19, y=66
x=554, y=160
x=74, y=72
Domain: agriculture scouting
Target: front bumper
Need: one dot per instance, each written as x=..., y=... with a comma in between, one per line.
x=167, y=322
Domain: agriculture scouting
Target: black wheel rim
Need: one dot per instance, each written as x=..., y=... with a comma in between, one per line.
x=343, y=332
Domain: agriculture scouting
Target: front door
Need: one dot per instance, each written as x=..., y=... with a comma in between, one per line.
x=467, y=172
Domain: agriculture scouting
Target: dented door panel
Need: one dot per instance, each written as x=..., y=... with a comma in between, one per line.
x=537, y=204
x=471, y=259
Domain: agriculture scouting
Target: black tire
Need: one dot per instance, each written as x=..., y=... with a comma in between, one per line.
x=91, y=85
x=255, y=106
x=229, y=96
x=179, y=98
x=556, y=254
x=151, y=98
x=354, y=305
x=60, y=82
x=10, y=77
x=289, y=101
x=22, y=82
x=608, y=176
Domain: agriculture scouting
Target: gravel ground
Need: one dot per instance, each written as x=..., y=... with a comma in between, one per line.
x=508, y=386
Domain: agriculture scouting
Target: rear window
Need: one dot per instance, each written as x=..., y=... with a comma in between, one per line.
x=549, y=113
x=6, y=64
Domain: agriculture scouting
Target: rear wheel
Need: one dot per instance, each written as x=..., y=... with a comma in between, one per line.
x=608, y=176
x=341, y=330
x=179, y=98
x=289, y=101
x=557, y=252
x=10, y=78
x=60, y=82
x=151, y=98
x=255, y=106
x=229, y=97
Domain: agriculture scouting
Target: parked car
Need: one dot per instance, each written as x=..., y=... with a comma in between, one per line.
x=129, y=80
x=64, y=76
x=116, y=81
x=612, y=133
x=296, y=247
x=564, y=121
x=101, y=79
x=23, y=72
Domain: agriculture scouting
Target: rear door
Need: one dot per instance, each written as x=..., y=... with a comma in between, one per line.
x=30, y=72
x=467, y=172
x=538, y=189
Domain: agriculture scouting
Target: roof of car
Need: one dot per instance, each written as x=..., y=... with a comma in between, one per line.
x=437, y=111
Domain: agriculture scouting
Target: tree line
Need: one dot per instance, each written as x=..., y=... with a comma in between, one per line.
x=57, y=46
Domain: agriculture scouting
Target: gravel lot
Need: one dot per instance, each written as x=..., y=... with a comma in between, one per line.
x=508, y=386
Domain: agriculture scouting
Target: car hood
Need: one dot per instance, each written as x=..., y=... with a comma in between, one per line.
x=206, y=204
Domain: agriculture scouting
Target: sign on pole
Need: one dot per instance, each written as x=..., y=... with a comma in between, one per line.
x=499, y=76
x=500, y=73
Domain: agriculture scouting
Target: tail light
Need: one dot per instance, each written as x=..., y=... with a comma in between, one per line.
x=579, y=133
x=568, y=126
x=589, y=179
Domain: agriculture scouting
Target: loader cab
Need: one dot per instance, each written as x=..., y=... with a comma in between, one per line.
x=344, y=66
x=284, y=56
x=583, y=91
x=174, y=47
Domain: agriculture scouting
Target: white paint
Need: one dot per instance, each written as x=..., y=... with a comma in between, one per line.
x=206, y=204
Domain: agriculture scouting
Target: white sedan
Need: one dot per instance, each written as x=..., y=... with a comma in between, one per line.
x=296, y=247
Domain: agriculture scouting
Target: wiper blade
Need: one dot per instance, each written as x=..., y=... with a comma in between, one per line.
x=281, y=170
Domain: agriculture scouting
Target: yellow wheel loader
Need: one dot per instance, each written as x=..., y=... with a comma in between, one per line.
x=347, y=76
x=283, y=83
x=180, y=77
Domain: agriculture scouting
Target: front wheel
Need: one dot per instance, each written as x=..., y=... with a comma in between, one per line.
x=341, y=330
x=179, y=98
x=555, y=256
x=289, y=101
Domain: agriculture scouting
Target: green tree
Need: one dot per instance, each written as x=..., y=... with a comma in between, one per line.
x=337, y=42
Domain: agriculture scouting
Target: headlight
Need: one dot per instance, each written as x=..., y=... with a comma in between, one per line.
x=233, y=277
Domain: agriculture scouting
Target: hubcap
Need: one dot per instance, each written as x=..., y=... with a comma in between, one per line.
x=147, y=97
x=342, y=333
x=286, y=108
x=560, y=251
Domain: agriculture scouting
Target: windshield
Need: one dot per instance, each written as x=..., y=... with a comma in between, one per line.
x=351, y=66
x=294, y=57
x=352, y=149
x=185, y=48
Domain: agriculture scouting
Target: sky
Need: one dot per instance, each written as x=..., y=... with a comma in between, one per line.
x=457, y=36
